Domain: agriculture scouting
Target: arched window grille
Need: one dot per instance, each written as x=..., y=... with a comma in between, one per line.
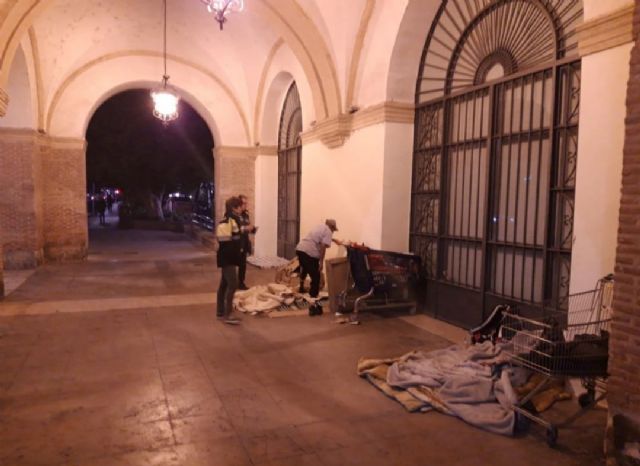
x=289, y=174
x=494, y=163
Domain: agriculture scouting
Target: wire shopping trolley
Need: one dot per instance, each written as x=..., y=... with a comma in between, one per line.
x=571, y=342
x=380, y=279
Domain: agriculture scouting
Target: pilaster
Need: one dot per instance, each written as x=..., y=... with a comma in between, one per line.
x=64, y=202
x=21, y=217
x=4, y=102
x=234, y=173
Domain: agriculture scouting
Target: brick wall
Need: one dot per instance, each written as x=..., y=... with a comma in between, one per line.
x=1, y=274
x=624, y=383
x=64, y=201
x=20, y=211
x=234, y=173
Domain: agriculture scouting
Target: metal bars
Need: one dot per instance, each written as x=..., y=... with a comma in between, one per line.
x=521, y=164
x=289, y=174
x=493, y=187
x=474, y=42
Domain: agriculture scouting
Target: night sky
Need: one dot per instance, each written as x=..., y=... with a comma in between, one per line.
x=130, y=149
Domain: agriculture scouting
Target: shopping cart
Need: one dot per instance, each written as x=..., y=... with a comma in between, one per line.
x=377, y=280
x=570, y=342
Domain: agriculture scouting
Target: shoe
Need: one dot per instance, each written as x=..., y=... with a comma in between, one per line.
x=232, y=321
x=315, y=310
x=243, y=287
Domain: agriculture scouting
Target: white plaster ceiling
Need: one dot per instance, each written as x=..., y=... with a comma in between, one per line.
x=87, y=49
x=72, y=33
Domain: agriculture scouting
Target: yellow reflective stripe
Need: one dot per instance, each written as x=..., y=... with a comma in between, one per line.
x=227, y=230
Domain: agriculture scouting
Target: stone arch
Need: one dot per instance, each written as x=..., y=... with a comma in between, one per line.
x=20, y=86
x=407, y=49
x=273, y=106
x=283, y=70
x=187, y=97
x=13, y=28
x=83, y=91
x=289, y=21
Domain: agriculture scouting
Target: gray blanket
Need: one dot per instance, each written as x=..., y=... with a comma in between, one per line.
x=458, y=380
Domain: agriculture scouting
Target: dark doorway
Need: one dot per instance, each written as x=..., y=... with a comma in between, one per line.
x=156, y=168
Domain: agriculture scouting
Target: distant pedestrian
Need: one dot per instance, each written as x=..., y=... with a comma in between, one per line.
x=247, y=248
x=228, y=233
x=109, y=202
x=101, y=206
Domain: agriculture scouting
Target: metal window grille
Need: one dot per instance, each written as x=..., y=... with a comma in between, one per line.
x=289, y=174
x=494, y=162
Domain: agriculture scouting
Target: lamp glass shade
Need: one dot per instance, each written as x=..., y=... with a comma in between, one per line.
x=165, y=104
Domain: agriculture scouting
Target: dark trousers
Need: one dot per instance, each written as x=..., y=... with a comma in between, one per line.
x=242, y=268
x=309, y=266
x=226, y=290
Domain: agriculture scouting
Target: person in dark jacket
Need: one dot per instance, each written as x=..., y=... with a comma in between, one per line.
x=246, y=242
x=228, y=233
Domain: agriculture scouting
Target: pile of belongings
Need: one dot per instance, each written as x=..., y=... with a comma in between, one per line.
x=262, y=299
x=289, y=274
x=472, y=382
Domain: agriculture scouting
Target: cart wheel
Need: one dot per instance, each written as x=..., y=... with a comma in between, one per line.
x=586, y=399
x=552, y=436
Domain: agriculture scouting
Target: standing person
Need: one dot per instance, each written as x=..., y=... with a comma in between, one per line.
x=246, y=242
x=101, y=206
x=228, y=233
x=109, y=202
x=310, y=252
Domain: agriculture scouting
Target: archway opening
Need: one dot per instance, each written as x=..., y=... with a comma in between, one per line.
x=144, y=173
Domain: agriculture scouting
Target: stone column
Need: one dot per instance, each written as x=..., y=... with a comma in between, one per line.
x=234, y=173
x=4, y=103
x=64, y=201
x=21, y=200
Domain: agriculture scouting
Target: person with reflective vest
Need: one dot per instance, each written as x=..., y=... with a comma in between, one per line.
x=229, y=236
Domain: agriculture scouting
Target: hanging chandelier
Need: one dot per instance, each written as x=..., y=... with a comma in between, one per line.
x=221, y=8
x=165, y=99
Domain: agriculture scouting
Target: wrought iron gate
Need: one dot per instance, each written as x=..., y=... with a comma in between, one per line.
x=494, y=174
x=289, y=174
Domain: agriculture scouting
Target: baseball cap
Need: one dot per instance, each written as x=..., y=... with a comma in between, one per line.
x=331, y=223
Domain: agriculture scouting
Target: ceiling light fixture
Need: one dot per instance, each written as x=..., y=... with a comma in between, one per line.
x=221, y=8
x=165, y=99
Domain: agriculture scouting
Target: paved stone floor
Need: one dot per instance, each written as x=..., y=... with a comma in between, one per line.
x=118, y=361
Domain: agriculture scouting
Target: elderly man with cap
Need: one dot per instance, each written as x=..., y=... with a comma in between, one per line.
x=310, y=252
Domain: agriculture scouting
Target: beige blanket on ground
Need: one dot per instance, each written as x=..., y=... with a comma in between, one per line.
x=419, y=398
x=263, y=299
x=420, y=382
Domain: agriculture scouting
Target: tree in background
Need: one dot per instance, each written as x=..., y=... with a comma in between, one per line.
x=128, y=148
